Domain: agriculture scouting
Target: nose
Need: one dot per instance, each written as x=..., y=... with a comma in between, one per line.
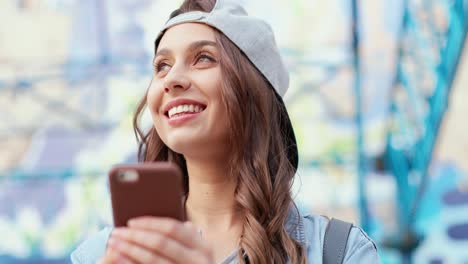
x=176, y=79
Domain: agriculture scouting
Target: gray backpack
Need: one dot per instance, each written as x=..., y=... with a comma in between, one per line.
x=334, y=245
x=336, y=238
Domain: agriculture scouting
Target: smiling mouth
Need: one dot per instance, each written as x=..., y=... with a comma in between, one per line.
x=184, y=109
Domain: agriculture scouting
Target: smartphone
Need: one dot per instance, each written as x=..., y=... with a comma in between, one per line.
x=146, y=189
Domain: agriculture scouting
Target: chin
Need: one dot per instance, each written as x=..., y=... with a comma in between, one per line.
x=181, y=145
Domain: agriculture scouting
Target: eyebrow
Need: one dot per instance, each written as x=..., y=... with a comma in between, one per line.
x=193, y=46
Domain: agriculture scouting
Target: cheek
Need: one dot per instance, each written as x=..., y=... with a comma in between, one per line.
x=219, y=117
x=154, y=99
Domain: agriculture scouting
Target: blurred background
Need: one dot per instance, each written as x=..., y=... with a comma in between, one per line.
x=377, y=100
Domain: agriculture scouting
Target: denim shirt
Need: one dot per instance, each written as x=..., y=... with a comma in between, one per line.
x=308, y=230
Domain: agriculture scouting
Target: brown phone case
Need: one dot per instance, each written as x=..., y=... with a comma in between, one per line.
x=155, y=191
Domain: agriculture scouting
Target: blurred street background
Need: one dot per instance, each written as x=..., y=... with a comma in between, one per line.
x=377, y=97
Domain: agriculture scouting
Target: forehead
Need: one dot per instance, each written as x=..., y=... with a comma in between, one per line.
x=180, y=36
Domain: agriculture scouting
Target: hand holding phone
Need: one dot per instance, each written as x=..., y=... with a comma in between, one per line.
x=154, y=190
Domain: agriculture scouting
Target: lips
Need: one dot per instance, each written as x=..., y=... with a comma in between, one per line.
x=180, y=107
x=184, y=109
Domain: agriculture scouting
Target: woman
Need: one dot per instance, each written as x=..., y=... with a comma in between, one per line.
x=215, y=101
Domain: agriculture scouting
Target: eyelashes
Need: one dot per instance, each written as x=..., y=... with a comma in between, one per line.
x=206, y=57
x=158, y=66
x=164, y=65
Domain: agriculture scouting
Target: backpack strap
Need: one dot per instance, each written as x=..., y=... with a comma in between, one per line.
x=336, y=238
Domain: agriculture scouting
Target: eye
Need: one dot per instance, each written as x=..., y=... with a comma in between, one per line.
x=161, y=66
x=205, y=58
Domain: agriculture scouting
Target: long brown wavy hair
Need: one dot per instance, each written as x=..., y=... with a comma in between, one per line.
x=259, y=147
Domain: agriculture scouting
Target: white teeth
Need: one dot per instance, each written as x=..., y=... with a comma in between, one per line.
x=184, y=109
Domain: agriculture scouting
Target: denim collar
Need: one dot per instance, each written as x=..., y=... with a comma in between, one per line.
x=295, y=226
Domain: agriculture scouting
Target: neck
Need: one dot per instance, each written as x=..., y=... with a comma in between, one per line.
x=210, y=203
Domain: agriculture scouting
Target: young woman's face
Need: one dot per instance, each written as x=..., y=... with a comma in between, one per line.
x=185, y=94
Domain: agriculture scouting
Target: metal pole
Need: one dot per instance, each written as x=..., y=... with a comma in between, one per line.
x=361, y=167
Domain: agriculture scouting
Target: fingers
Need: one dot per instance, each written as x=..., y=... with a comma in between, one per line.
x=161, y=240
x=134, y=253
x=184, y=233
x=160, y=245
x=154, y=242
